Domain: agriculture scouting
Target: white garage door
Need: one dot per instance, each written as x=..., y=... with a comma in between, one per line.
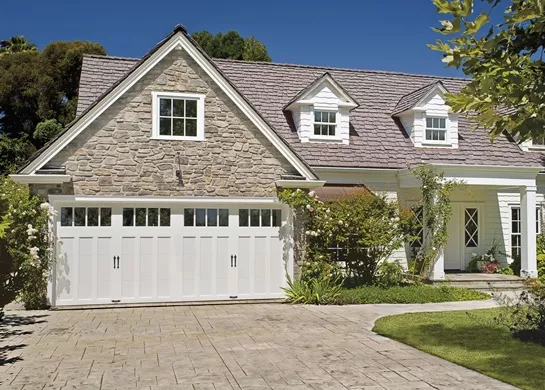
x=163, y=253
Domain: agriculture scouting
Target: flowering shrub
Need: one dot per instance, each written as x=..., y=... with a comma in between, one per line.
x=25, y=247
x=491, y=268
x=368, y=228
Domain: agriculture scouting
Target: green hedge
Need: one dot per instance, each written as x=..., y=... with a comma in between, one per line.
x=408, y=294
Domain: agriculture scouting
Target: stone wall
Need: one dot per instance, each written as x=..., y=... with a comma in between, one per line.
x=115, y=155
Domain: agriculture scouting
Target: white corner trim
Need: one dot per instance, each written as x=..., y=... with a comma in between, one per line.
x=300, y=183
x=135, y=76
x=41, y=179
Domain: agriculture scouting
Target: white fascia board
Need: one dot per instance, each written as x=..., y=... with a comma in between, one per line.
x=159, y=199
x=336, y=89
x=41, y=179
x=504, y=176
x=300, y=183
x=177, y=41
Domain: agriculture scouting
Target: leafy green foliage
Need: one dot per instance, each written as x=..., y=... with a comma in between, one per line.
x=14, y=152
x=390, y=273
x=525, y=315
x=407, y=294
x=25, y=253
x=40, y=86
x=436, y=193
x=317, y=291
x=368, y=226
x=473, y=340
x=232, y=46
x=46, y=130
x=16, y=44
x=505, y=62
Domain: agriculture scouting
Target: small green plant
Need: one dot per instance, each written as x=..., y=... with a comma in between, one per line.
x=487, y=263
x=524, y=316
x=319, y=291
x=390, y=273
x=507, y=271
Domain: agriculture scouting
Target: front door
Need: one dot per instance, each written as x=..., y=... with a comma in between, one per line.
x=464, y=235
x=453, y=250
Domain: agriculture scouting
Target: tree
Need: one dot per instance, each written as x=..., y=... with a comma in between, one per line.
x=16, y=44
x=232, y=46
x=505, y=61
x=255, y=50
x=37, y=87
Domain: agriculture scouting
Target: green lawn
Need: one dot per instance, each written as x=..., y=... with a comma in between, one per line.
x=408, y=294
x=471, y=340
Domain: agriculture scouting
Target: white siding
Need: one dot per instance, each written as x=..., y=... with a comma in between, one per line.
x=322, y=99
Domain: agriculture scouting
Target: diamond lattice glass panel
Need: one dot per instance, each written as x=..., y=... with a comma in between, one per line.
x=471, y=228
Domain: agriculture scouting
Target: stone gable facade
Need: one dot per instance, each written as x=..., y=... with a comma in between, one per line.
x=116, y=156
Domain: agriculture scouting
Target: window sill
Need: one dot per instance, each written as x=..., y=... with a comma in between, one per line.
x=443, y=144
x=176, y=138
x=533, y=148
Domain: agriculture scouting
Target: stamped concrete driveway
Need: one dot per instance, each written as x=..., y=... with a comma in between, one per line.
x=261, y=346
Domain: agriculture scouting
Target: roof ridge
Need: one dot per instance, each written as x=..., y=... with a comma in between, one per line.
x=342, y=69
x=112, y=57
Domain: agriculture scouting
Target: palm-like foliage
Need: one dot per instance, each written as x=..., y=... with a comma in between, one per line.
x=16, y=44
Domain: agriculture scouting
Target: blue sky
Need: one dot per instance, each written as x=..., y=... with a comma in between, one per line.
x=365, y=34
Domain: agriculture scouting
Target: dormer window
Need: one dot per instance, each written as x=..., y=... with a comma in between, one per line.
x=436, y=129
x=325, y=123
x=427, y=119
x=321, y=112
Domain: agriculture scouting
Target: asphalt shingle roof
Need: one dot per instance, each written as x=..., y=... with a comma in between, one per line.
x=377, y=139
x=410, y=100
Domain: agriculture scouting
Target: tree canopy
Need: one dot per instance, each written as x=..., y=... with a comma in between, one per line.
x=232, y=46
x=504, y=60
x=38, y=93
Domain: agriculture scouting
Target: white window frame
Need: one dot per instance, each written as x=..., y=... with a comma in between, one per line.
x=539, y=217
x=177, y=95
x=447, y=130
x=336, y=124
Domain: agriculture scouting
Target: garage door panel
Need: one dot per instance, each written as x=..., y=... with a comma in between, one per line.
x=128, y=267
x=245, y=257
x=276, y=265
x=66, y=277
x=261, y=260
x=85, y=268
x=146, y=260
x=206, y=266
x=163, y=266
x=104, y=268
x=222, y=266
x=189, y=266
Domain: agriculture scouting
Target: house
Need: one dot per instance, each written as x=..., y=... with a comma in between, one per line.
x=165, y=184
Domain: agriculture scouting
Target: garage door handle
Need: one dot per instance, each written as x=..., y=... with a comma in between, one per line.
x=235, y=260
x=231, y=260
x=117, y=262
x=114, y=262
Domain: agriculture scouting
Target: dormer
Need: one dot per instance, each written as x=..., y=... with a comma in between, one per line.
x=321, y=112
x=427, y=118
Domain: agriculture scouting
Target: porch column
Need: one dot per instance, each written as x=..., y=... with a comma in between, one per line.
x=438, y=266
x=528, y=232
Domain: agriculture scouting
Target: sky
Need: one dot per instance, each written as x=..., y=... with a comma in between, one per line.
x=364, y=34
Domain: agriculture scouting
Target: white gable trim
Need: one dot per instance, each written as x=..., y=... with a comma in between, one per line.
x=438, y=88
x=177, y=41
x=328, y=81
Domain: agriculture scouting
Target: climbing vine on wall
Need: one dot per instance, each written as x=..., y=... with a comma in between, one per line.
x=436, y=202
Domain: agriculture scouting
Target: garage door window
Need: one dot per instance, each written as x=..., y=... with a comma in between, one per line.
x=141, y=216
x=86, y=216
x=206, y=217
x=259, y=217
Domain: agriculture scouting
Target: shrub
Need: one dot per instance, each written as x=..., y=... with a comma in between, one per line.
x=368, y=227
x=320, y=291
x=25, y=249
x=507, y=271
x=390, y=274
x=525, y=315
